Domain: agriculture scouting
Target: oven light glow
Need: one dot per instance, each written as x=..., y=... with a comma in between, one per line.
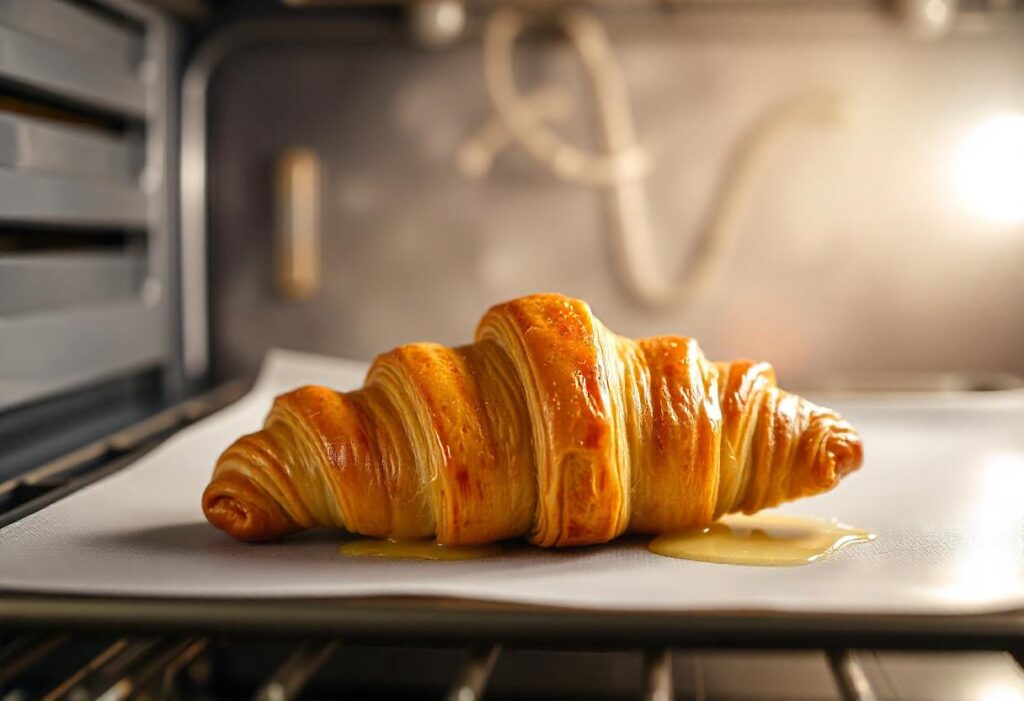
x=990, y=170
x=936, y=11
x=1000, y=693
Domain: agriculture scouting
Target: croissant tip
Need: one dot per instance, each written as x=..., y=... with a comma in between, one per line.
x=239, y=518
x=847, y=452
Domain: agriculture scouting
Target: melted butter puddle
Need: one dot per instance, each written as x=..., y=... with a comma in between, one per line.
x=762, y=539
x=416, y=549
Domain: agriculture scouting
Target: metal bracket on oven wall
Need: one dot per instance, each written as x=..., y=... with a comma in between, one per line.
x=297, y=225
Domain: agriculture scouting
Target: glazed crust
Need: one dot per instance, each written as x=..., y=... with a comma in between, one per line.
x=549, y=426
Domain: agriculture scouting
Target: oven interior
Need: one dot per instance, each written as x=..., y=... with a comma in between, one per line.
x=186, y=184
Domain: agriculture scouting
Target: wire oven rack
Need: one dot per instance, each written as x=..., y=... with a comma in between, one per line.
x=81, y=647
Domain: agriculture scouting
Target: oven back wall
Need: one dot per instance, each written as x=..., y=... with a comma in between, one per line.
x=856, y=252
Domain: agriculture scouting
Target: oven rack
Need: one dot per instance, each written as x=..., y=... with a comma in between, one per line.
x=59, y=665
x=158, y=644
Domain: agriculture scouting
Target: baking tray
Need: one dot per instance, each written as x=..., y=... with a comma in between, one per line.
x=443, y=621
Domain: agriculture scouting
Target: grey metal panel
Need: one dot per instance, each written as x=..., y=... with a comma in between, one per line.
x=48, y=66
x=48, y=199
x=30, y=143
x=74, y=27
x=29, y=283
x=119, y=322
x=945, y=676
x=769, y=676
x=44, y=354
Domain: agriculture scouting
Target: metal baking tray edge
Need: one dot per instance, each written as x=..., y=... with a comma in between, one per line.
x=449, y=621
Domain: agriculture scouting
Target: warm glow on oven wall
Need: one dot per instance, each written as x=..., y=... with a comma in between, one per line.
x=990, y=169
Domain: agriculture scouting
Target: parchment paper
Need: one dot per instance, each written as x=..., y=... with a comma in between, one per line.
x=943, y=486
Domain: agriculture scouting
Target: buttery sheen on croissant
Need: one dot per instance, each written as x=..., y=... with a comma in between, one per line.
x=548, y=426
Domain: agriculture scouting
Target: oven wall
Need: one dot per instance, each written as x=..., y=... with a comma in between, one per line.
x=856, y=253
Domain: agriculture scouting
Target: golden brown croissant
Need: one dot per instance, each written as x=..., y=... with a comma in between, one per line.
x=549, y=426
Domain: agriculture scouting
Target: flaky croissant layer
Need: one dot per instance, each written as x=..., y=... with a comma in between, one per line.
x=548, y=426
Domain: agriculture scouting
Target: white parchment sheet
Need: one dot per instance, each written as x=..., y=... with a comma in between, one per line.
x=942, y=485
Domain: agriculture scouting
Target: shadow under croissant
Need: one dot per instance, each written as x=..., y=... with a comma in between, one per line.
x=199, y=539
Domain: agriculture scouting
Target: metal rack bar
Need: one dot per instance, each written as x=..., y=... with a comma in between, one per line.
x=475, y=674
x=25, y=652
x=290, y=678
x=853, y=683
x=700, y=690
x=145, y=669
x=96, y=663
x=107, y=680
x=185, y=657
x=658, y=675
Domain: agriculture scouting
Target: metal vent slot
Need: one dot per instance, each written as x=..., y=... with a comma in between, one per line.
x=49, y=199
x=48, y=352
x=31, y=103
x=36, y=282
x=45, y=146
x=83, y=177
x=48, y=66
x=115, y=44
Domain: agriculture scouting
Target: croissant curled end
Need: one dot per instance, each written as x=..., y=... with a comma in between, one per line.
x=840, y=453
x=239, y=507
x=845, y=450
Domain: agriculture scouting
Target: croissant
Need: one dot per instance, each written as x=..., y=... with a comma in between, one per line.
x=549, y=426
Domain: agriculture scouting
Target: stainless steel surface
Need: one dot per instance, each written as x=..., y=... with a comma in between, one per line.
x=417, y=251
x=44, y=65
x=52, y=352
x=853, y=683
x=473, y=678
x=619, y=172
x=71, y=320
x=776, y=675
x=658, y=676
x=945, y=676
x=77, y=28
x=40, y=145
x=36, y=198
x=194, y=161
x=30, y=283
x=291, y=677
